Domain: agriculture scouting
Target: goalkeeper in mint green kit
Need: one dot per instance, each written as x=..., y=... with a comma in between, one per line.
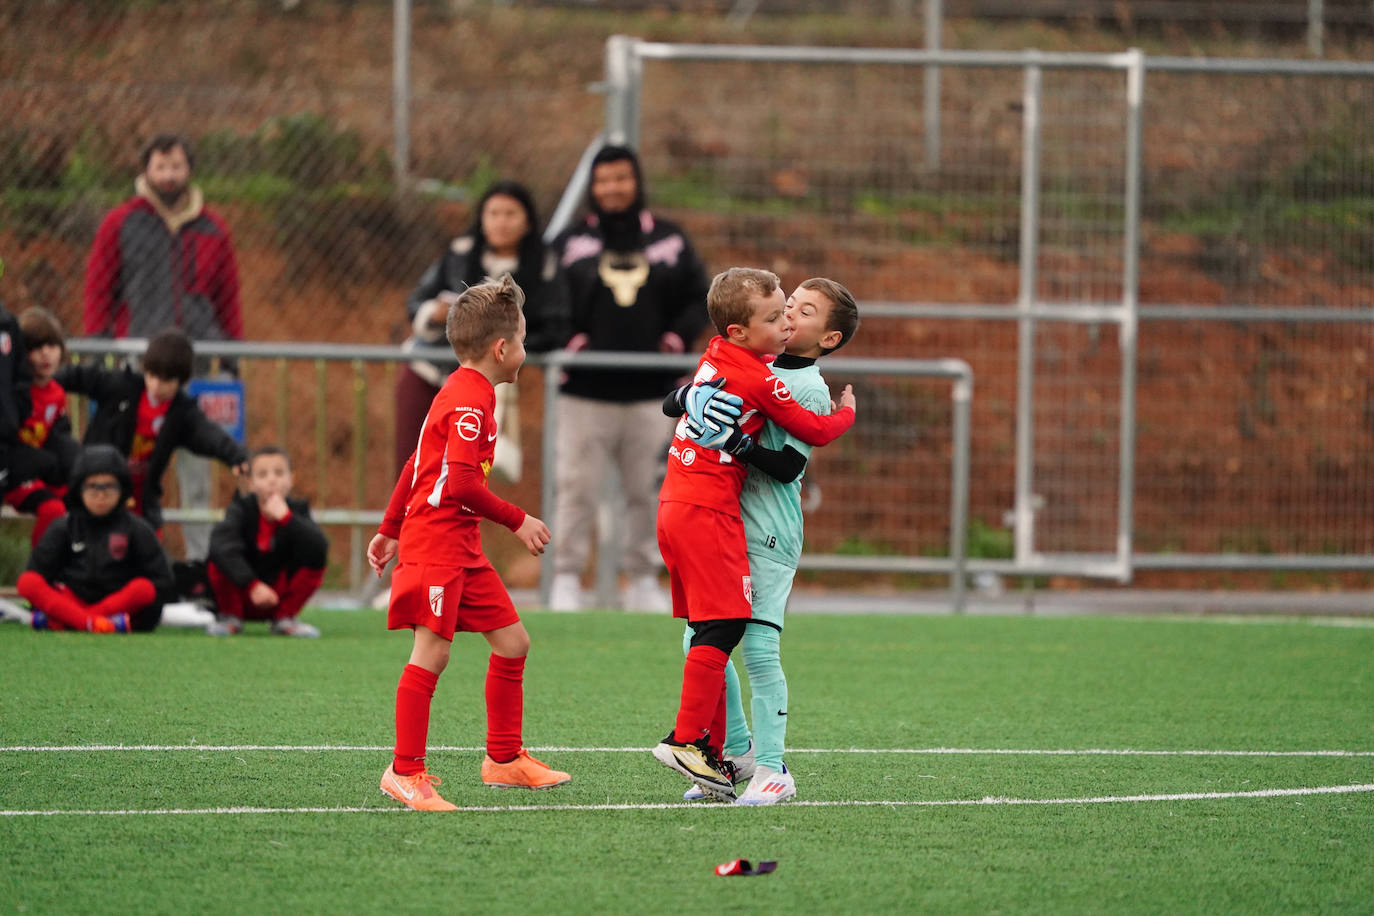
x=824, y=317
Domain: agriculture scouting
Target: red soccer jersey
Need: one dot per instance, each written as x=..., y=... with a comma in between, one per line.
x=706, y=477
x=442, y=493
x=49, y=403
x=146, y=427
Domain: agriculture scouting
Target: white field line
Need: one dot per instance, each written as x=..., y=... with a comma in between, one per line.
x=931, y=751
x=665, y=806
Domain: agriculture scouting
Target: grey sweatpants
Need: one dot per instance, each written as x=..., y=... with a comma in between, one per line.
x=592, y=436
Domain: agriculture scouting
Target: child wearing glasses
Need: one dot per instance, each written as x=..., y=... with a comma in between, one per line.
x=99, y=568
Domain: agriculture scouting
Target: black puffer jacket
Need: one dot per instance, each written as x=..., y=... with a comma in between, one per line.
x=298, y=544
x=95, y=556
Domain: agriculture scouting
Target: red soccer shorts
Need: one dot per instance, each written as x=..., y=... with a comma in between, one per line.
x=449, y=599
x=708, y=562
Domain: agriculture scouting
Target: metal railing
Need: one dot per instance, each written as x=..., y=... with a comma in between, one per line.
x=364, y=468
x=955, y=370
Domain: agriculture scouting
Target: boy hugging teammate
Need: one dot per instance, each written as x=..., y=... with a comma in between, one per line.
x=700, y=532
x=824, y=317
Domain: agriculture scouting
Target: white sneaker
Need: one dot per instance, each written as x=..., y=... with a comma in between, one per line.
x=186, y=614
x=566, y=593
x=14, y=613
x=768, y=787
x=744, y=770
x=292, y=626
x=645, y=594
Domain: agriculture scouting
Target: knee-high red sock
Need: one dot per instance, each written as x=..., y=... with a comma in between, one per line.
x=295, y=591
x=130, y=599
x=58, y=603
x=703, y=686
x=505, y=706
x=413, y=696
x=48, y=511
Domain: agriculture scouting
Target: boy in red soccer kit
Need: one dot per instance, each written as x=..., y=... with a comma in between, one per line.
x=443, y=582
x=700, y=533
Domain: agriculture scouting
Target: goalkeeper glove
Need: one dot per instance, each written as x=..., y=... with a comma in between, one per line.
x=730, y=439
x=710, y=406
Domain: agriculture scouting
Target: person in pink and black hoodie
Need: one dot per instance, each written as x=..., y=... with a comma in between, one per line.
x=267, y=556
x=99, y=568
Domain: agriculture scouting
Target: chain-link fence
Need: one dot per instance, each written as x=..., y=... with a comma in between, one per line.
x=1251, y=431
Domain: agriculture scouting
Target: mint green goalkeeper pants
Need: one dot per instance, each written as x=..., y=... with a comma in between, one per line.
x=760, y=648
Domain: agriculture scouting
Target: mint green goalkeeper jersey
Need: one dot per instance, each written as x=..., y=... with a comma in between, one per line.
x=772, y=510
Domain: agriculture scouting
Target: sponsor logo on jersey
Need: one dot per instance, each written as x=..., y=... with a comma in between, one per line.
x=468, y=425
x=780, y=390
x=436, y=600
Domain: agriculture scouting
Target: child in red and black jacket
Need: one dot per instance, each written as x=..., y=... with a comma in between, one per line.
x=148, y=415
x=267, y=556
x=47, y=430
x=99, y=568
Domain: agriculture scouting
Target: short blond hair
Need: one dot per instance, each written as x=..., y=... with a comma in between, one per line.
x=484, y=313
x=728, y=300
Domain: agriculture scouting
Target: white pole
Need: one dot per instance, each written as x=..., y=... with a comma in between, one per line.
x=400, y=90
x=1316, y=27
x=934, y=15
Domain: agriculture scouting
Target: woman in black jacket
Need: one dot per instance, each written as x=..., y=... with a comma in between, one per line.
x=503, y=238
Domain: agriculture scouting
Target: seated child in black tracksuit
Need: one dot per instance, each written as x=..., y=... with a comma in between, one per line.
x=267, y=556
x=99, y=568
x=148, y=415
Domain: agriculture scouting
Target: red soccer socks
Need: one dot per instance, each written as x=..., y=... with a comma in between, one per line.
x=505, y=692
x=703, y=694
x=413, y=696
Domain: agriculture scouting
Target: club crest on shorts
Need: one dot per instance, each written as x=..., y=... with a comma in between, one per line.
x=689, y=455
x=118, y=545
x=748, y=591
x=436, y=600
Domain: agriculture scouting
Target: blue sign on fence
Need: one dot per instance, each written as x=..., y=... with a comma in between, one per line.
x=222, y=401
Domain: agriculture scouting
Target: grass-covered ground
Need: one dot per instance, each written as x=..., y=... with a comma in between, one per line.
x=943, y=764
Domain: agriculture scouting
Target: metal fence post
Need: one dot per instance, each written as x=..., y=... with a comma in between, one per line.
x=623, y=74
x=961, y=433
x=1130, y=289
x=400, y=90
x=934, y=16
x=1316, y=27
x=1024, y=508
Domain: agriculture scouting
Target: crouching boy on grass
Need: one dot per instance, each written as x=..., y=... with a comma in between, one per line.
x=99, y=568
x=267, y=556
x=443, y=582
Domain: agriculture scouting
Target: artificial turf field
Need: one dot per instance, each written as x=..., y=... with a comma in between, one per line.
x=944, y=764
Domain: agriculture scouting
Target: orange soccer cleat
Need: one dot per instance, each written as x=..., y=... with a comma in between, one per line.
x=524, y=772
x=415, y=791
